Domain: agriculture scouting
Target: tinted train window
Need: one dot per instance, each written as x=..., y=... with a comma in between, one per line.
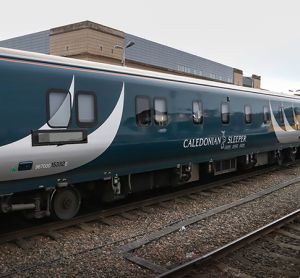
x=297, y=113
x=197, y=112
x=267, y=116
x=142, y=111
x=59, y=108
x=86, y=109
x=281, y=114
x=248, y=114
x=160, y=112
x=225, y=115
x=297, y=117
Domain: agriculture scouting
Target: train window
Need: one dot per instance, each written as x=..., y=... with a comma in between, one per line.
x=197, y=112
x=160, y=112
x=296, y=114
x=248, y=114
x=142, y=111
x=86, y=109
x=297, y=111
x=225, y=115
x=267, y=116
x=59, y=108
x=281, y=114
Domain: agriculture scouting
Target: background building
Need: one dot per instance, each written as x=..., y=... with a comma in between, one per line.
x=94, y=42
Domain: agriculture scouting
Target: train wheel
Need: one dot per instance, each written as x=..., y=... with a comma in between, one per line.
x=65, y=203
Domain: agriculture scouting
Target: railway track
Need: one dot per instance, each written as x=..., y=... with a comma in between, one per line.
x=124, y=247
x=130, y=249
x=49, y=229
x=196, y=267
x=19, y=236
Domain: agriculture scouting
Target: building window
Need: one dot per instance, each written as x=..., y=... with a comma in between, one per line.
x=267, y=116
x=248, y=114
x=86, y=109
x=225, y=113
x=160, y=112
x=197, y=112
x=185, y=69
x=142, y=111
x=59, y=108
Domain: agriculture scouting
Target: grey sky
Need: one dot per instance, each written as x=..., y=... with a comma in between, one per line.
x=260, y=37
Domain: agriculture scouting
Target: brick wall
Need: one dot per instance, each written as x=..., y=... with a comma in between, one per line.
x=238, y=77
x=86, y=40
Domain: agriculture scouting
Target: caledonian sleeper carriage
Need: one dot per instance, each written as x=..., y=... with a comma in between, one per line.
x=72, y=128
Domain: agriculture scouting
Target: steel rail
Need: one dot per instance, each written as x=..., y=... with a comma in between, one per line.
x=184, y=269
x=46, y=229
x=49, y=229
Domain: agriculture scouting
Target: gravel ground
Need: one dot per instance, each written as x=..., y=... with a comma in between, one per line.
x=255, y=259
x=105, y=260
x=101, y=263
x=202, y=237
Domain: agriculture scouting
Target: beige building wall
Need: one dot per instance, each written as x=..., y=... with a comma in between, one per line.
x=87, y=40
x=238, y=77
x=256, y=81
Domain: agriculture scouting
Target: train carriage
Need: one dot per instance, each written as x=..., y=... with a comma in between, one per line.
x=71, y=128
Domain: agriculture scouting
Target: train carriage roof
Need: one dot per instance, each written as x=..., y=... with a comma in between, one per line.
x=63, y=61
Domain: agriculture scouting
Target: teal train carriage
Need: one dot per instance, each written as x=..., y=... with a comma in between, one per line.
x=73, y=128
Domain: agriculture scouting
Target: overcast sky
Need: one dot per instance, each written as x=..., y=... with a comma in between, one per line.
x=260, y=37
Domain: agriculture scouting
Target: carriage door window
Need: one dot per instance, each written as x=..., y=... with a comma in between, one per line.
x=160, y=112
x=197, y=112
x=142, y=111
x=248, y=114
x=86, y=109
x=267, y=116
x=59, y=108
x=225, y=113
